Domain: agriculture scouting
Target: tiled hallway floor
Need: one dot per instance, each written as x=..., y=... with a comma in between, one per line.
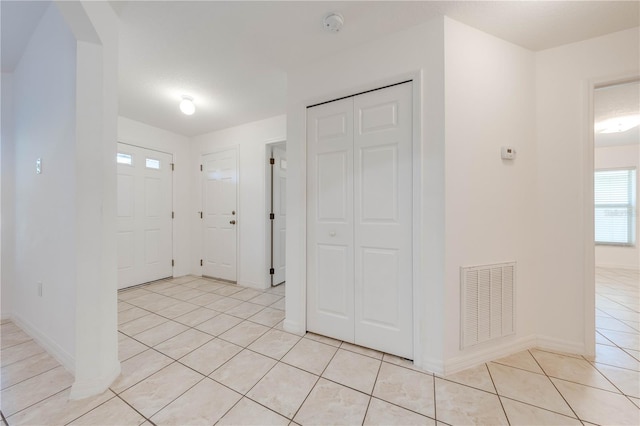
x=197, y=351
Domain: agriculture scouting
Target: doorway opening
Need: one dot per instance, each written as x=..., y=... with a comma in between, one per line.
x=276, y=200
x=616, y=159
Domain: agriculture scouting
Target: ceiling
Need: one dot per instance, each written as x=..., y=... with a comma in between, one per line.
x=232, y=57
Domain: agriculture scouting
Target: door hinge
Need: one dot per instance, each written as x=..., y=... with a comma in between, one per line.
x=200, y=213
x=272, y=161
x=272, y=271
x=200, y=262
x=200, y=167
x=173, y=215
x=173, y=262
x=272, y=216
x=173, y=167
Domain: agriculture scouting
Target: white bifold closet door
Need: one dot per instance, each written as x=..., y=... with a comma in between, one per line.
x=359, y=220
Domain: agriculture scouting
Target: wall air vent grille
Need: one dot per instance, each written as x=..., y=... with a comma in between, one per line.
x=487, y=303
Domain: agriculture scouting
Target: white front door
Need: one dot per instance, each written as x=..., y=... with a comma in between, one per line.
x=219, y=214
x=359, y=231
x=279, y=201
x=144, y=215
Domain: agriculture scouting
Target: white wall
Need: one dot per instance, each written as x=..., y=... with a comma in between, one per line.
x=565, y=198
x=146, y=136
x=8, y=194
x=250, y=139
x=418, y=54
x=613, y=157
x=44, y=215
x=489, y=103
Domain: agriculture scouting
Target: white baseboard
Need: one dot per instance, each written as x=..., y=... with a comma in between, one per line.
x=487, y=354
x=432, y=365
x=91, y=387
x=557, y=345
x=251, y=284
x=62, y=356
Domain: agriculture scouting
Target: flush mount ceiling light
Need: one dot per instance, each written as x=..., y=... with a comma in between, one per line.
x=186, y=105
x=333, y=22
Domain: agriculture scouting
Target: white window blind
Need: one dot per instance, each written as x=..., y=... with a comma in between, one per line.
x=615, y=206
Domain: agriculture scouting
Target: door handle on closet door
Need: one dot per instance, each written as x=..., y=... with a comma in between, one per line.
x=233, y=222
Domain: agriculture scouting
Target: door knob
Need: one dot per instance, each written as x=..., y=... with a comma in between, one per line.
x=233, y=212
x=233, y=222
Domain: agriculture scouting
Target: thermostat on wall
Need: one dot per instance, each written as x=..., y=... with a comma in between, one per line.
x=508, y=153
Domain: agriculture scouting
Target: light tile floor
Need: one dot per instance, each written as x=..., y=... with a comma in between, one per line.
x=197, y=351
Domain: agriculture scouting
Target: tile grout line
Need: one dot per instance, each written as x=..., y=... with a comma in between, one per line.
x=375, y=382
x=506, y=416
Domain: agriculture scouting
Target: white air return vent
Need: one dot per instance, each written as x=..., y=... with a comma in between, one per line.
x=487, y=303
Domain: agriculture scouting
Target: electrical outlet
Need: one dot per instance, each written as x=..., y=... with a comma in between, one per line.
x=39, y=288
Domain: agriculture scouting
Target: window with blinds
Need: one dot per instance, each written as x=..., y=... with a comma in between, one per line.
x=615, y=206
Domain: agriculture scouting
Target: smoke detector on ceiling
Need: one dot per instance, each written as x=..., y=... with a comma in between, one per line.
x=333, y=22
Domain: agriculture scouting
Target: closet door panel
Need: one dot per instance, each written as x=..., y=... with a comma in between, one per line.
x=330, y=260
x=383, y=220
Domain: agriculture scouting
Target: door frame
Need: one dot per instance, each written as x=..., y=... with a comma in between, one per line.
x=588, y=210
x=418, y=287
x=268, y=147
x=238, y=210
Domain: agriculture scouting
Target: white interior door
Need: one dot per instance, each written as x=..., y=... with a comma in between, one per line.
x=144, y=229
x=219, y=214
x=330, y=230
x=359, y=252
x=280, y=213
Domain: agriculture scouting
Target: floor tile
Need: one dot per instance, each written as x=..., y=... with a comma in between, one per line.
x=353, y=370
x=477, y=377
x=196, y=317
x=571, y=369
x=627, y=381
x=203, y=404
x=58, y=409
x=248, y=413
x=183, y=343
x=131, y=314
x=128, y=347
x=265, y=299
x=210, y=356
x=403, y=362
x=18, y=352
x=160, y=333
x=615, y=356
x=361, y=350
x=622, y=339
x=205, y=299
x=123, y=306
x=35, y=389
x=459, y=404
x=382, y=413
x=332, y=404
x=523, y=414
x=139, y=325
x=407, y=388
x=525, y=386
x=177, y=309
x=310, y=355
x=183, y=279
x=159, y=389
x=274, y=343
x=599, y=406
x=138, y=368
x=246, y=294
x=523, y=360
x=224, y=304
x=613, y=324
x=283, y=389
x=115, y=411
x=26, y=369
x=228, y=290
x=219, y=324
x=244, y=333
x=280, y=304
x=132, y=294
x=323, y=339
x=188, y=294
x=268, y=317
x=245, y=310
x=243, y=371
x=8, y=340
